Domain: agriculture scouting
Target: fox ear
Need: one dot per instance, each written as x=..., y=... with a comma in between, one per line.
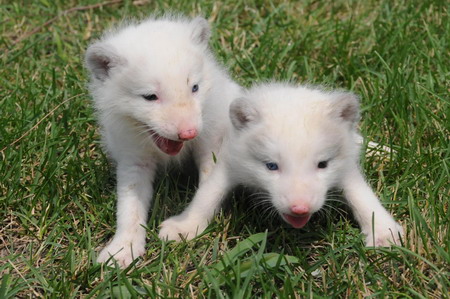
x=345, y=107
x=201, y=31
x=242, y=113
x=100, y=58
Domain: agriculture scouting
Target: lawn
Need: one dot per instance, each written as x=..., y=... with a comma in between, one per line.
x=57, y=186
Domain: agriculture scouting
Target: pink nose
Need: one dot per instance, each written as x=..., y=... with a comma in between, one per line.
x=187, y=134
x=300, y=209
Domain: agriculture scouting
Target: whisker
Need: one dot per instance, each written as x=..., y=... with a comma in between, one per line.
x=338, y=210
x=261, y=204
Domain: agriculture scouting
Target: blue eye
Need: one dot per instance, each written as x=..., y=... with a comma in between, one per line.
x=272, y=166
x=195, y=88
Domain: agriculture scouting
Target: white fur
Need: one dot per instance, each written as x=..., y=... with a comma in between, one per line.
x=296, y=127
x=165, y=57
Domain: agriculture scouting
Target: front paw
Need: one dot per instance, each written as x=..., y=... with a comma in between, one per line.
x=180, y=227
x=123, y=251
x=385, y=235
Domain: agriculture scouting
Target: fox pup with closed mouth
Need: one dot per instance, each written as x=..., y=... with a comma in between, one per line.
x=296, y=143
x=159, y=94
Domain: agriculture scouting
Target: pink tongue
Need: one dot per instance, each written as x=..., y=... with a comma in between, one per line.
x=168, y=146
x=297, y=221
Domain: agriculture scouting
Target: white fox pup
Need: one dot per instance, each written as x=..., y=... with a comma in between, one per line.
x=159, y=94
x=295, y=143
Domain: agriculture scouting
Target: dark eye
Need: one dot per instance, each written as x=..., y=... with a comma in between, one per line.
x=150, y=97
x=322, y=164
x=272, y=166
x=195, y=88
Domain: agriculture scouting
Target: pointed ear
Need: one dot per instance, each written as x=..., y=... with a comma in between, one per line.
x=345, y=106
x=242, y=113
x=100, y=58
x=201, y=30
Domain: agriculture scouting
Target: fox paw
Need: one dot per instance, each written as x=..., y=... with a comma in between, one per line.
x=179, y=228
x=123, y=252
x=385, y=236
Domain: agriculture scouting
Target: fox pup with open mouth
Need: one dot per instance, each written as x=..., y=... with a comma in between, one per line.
x=159, y=94
x=296, y=143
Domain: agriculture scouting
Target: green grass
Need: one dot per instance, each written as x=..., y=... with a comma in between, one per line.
x=57, y=198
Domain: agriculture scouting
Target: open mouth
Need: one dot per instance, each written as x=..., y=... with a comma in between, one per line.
x=297, y=221
x=168, y=146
